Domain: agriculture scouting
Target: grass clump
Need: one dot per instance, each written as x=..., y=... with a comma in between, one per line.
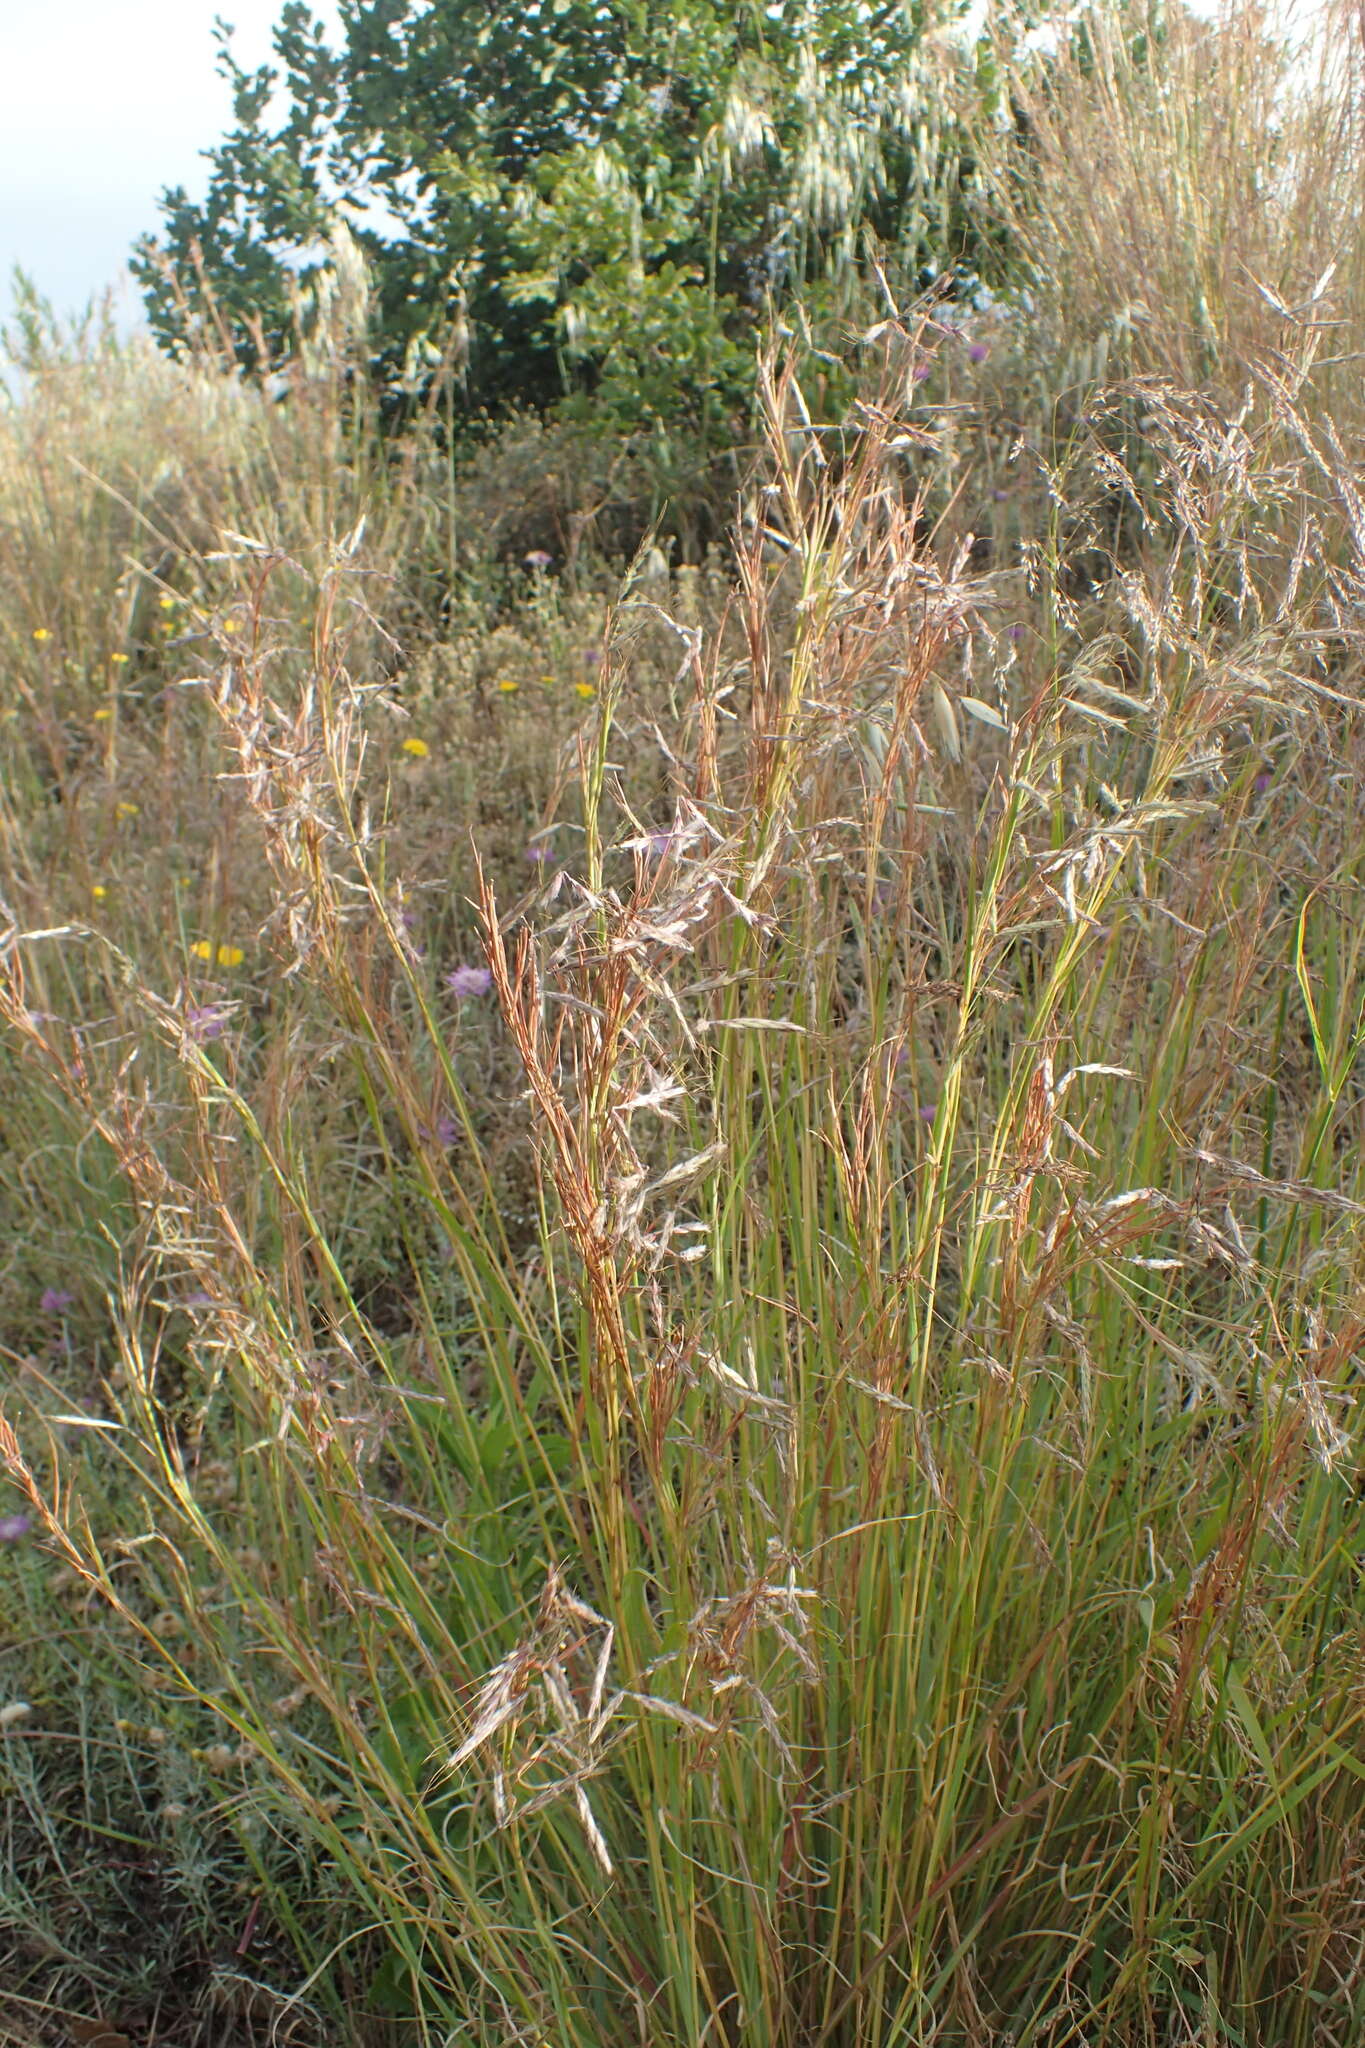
x=747, y=1432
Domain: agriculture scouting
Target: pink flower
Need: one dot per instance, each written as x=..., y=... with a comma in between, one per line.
x=56, y=1301
x=469, y=981
x=446, y=1131
x=204, y=1021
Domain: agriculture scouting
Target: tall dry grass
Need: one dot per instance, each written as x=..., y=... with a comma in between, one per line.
x=1175, y=189
x=778, y=1464
x=868, y=1562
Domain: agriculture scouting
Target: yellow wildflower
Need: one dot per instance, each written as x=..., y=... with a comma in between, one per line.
x=230, y=956
x=586, y=690
x=105, y=711
x=417, y=748
x=119, y=660
x=167, y=603
x=126, y=810
x=41, y=633
x=202, y=950
x=99, y=892
x=509, y=685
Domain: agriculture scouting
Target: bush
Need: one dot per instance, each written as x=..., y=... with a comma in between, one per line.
x=582, y=206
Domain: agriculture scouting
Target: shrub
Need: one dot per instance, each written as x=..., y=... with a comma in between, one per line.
x=582, y=206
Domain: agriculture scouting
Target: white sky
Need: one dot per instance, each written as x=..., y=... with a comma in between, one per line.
x=102, y=104
x=105, y=102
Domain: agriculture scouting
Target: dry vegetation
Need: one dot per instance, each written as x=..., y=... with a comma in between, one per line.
x=745, y=1430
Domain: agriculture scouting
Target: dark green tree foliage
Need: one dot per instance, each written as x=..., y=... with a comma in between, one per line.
x=571, y=201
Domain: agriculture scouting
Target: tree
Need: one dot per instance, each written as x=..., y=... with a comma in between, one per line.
x=575, y=202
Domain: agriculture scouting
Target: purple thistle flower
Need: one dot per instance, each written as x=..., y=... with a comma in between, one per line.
x=13, y=1527
x=56, y=1301
x=445, y=1133
x=919, y=373
x=469, y=981
x=1262, y=782
x=539, y=855
x=204, y=1021
x=978, y=351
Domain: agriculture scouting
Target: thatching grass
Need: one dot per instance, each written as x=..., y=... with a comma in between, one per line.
x=746, y=1432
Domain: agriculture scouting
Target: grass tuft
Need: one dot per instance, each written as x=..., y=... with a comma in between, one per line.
x=744, y=1430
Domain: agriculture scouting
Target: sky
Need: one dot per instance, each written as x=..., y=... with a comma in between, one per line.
x=103, y=103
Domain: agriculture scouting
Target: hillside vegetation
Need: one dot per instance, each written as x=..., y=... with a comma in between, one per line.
x=681, y=1264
